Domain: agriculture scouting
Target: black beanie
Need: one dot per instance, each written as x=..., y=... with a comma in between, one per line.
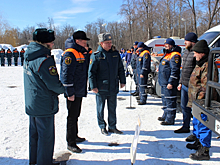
x=201, y=47
x=43, y=35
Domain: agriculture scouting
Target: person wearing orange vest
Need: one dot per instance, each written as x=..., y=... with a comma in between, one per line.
x=74, y=75
x=2, y=54
x=22, y=56
x=168, y=78
x=15, y=55
x=9, y=56
x=143, y=69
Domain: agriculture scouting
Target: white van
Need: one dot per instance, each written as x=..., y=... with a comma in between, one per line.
x=157, y=44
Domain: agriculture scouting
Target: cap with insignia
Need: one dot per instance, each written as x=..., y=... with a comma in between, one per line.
x=104, y=37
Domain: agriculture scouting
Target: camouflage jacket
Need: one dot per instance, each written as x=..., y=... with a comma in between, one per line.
x=197, y=83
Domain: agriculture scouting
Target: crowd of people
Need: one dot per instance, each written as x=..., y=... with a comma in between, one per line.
x=104, y=70
x=8, y=54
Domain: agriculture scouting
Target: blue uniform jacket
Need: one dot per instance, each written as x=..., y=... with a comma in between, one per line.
x=144, y=62
x=41, y=81
x=105, y=71
x=169, y=67
x=73, y=71
x=128, y=57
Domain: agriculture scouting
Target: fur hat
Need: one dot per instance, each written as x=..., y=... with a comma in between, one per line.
x=104, y=37
x=43, y=35
x=192, y=37
x=80, y=35
x=201, y=47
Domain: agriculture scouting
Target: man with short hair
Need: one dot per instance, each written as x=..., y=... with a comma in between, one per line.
x=15, y=55
x=188, y=64
x=168, y=78
x=41, y=88
x=105, y=72
x=74, y=74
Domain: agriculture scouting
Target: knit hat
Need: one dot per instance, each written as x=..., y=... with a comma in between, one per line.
x=80, y=35
x=170, y=41
x=141, y=45
x=201, y=47
x=104, y=37
x=135, y=43
x=43, y=35
x=192, y=37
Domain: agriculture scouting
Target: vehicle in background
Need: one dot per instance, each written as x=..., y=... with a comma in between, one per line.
x=157, y=45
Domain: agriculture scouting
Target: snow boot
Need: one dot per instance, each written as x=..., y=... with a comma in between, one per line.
x=194, y=146
x=191, y=138
x=201, y=154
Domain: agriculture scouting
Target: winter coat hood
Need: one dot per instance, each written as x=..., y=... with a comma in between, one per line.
x=35, y=50
x=70, y=43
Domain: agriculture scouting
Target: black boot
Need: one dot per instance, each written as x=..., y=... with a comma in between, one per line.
x=201, y=154
x=194, y=146
x=191, y=138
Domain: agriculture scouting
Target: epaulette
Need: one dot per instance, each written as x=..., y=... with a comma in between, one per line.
x=96, y=52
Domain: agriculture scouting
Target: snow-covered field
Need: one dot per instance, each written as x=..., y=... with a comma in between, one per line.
x=157, y=144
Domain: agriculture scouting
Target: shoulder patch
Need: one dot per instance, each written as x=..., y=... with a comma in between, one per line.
x=68, y=60
x=146, y=56
x=53, y=70
x=90, y=61
x=176, y=58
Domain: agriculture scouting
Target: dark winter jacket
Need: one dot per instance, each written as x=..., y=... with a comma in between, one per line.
x=41, y=81
x=15, y=54
x=105, y=71
x=74, y=69
x=144, y=62
x=128, y=57
x=188, y=64
x=169, y=67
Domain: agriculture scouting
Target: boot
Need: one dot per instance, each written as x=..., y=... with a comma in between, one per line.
x=191, y=138
x=201, y=154
x=194, y=146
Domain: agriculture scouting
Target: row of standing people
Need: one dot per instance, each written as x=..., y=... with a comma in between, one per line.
x=191, y=83
x=42, y=85
x=9, y=54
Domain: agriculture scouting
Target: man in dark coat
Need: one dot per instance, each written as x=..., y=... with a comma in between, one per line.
x=41, y=88
x=74, y=75
x=22, y=56
x=168, y=78
x=188, y=64
x=105, y=72
x=15, y=55
x=9, y=56
x=2, y=54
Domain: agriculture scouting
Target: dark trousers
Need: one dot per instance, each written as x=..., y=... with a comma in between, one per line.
x=41, y=140
x=111, y=103
x=74, y=109
x=16, y=61
x=186, y=110
x=9, y=61
x=169, y=102
x=142, y=88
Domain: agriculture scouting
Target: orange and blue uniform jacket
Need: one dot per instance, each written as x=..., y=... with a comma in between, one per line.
x=169, y=68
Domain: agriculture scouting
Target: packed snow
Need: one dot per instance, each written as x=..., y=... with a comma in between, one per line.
x=157, y=144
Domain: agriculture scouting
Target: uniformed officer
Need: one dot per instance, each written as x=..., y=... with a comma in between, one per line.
x=15, y=55
x=41, y=88
x=168, y=78
x=9, y=56
x=143, y=69
x=105, y=72
x=74, y=75
x=134, y=67
x=22, y=56
x=2, y=53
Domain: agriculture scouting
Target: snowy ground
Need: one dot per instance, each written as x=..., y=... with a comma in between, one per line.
x=157, y=144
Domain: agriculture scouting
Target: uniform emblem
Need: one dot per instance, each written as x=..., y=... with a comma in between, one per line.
x=176, y=58
x=139, y=59
x=90, y=61
x=163, y=62
x=68, y=60
x=109, y=37
x=53, y=70
x=146, y=56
